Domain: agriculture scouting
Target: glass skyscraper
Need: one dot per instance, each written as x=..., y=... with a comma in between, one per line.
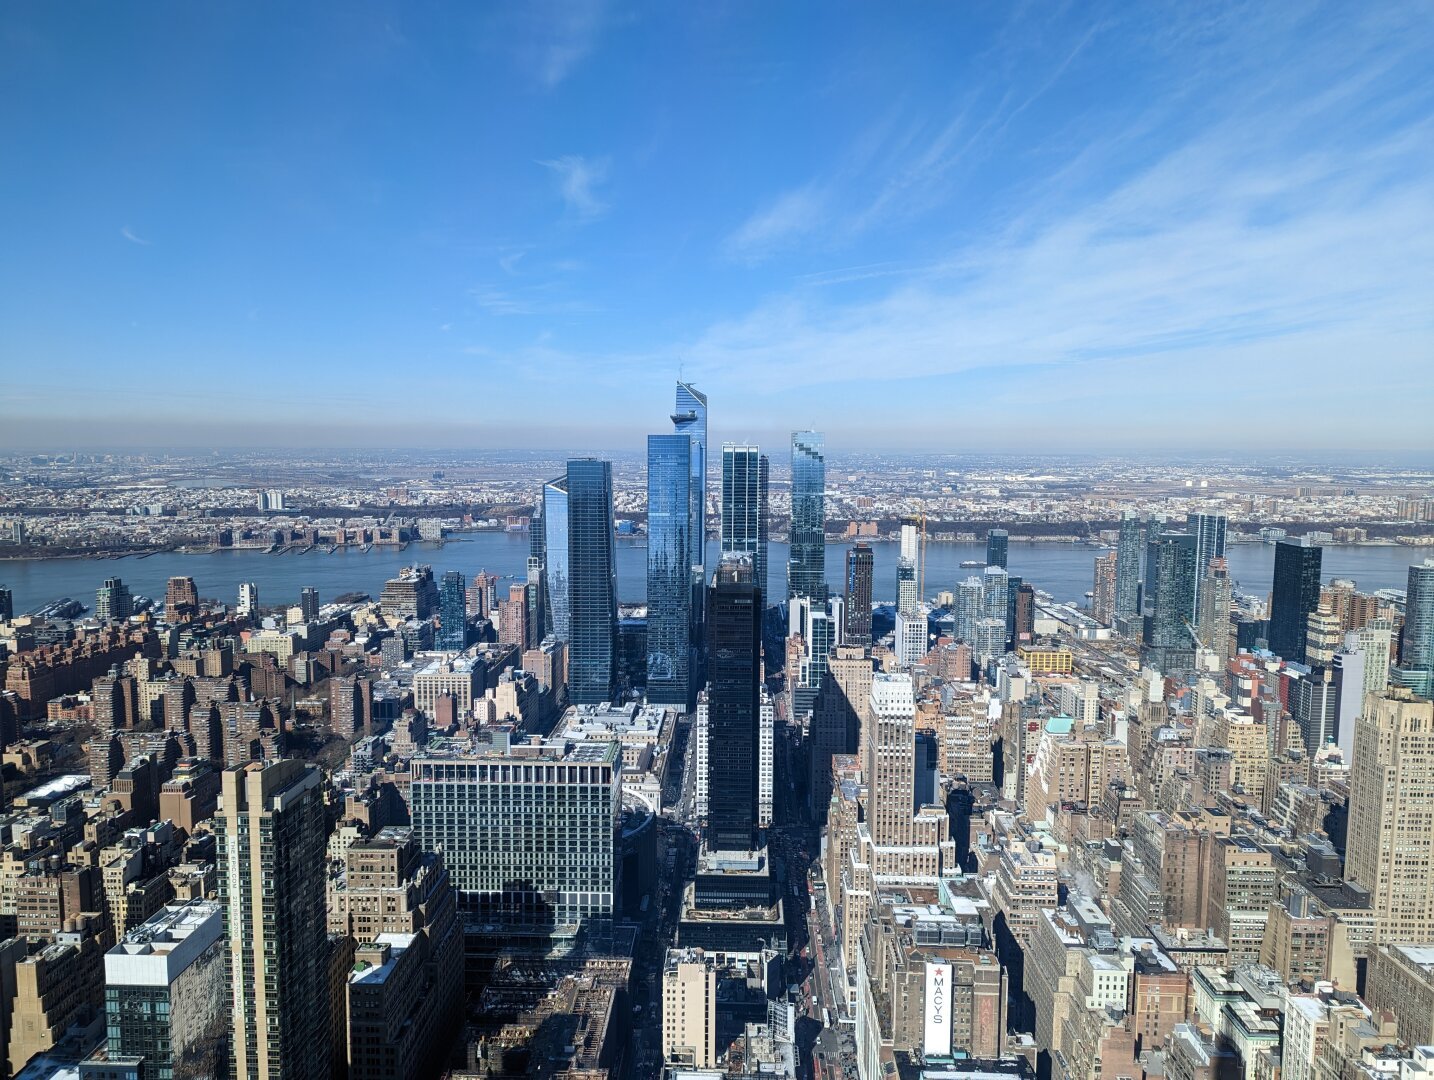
x=744, y=507
x=1171, y=580
x=592, y=582
x=554, y=540
x=689, y=418
x=1209, y=533
x=452, y=613
x=1294, y=595
x=997, y=542
x=734, y=635
x=806, y=567
x=1416, y=647
x=859, y=566
x=1127, y=568
x=669, y=570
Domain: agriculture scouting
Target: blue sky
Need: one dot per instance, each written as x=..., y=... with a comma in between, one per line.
x=959, y=226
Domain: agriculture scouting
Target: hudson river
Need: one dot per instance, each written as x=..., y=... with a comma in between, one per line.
x=1063, y=570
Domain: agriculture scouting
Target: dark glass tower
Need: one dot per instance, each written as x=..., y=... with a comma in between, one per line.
x=452, y=613
x=734, y=634
x=997, y=541
x=1209, y=532
x=592, y=585
x=554, y=538
x=806, y=567
x=1294, y=595
x=857, y=611
x=689, y=417
x=669, y=570
x=1170, y=582
x=1127, y=568
x=1416, y=642
x=744, y=507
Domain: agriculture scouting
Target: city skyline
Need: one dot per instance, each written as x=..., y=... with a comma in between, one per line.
x=1036, y=216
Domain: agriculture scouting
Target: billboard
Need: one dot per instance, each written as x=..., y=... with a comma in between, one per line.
x=937, y=1042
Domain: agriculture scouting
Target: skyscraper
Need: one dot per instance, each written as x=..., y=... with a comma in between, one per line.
x=891, y=758
x=1127, y=568
x=908, y=596
x=1209, y=533
x=1102, y=604
x=272, y=871
x=592, y=582
x=248, y=598
x=745, y=517
x=997, y=542
x=1170, y=583
x=1390, y=845
x=309, y=603
x=7, y=604
x=1216, y=590
x=859, y=565
x=689, y=417
x=113, y=601
x=669, y=570
x=734, y=635
x=1294, y=596
x=1416, y=643
x=806, y=568
x=554, y=538
x=452, y=613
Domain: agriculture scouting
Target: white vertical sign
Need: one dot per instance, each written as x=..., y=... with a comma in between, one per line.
x=938, y=1010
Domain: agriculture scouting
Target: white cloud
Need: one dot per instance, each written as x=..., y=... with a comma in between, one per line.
x=792, y=216
x=129, y=235
x=577, y=176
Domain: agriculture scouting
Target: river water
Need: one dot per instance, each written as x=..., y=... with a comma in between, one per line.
x=1063, y=570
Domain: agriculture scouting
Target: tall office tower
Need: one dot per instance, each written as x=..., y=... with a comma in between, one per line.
x=1127, y=567
x=549, y=883
x=1209, y=533
x=272, y=828
x=689, y=1009
x=1390, y=846
x=859, y=565
x=1373, y=640
x=555, y=557
x=836, y=726
x=1102, y=603
x=452, y=633
x=806, y=568
x=669, y=570
x=1013, y=593
x=308, y=603
x=1170, y=583
x=689, y=417
x=248, y=599
x=997, y=542
x=591, y=581
x=734, y=636
x=1217, y=594
x=745, y=517
x=891, y=759
x=113, y=602
x=816, y=627
x=166, y=1001
x=766, y=760
x=968, y=607
x=1314, y=705
x=181, y=600
x=1294, y=595
x=1416, y=643
x=1347, y=671
x=7, y=604
x=405, y=994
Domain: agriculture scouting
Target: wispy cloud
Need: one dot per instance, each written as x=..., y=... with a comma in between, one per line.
x=577, y=177
x=129, y=235
x=562, y=33
x=790, y=217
